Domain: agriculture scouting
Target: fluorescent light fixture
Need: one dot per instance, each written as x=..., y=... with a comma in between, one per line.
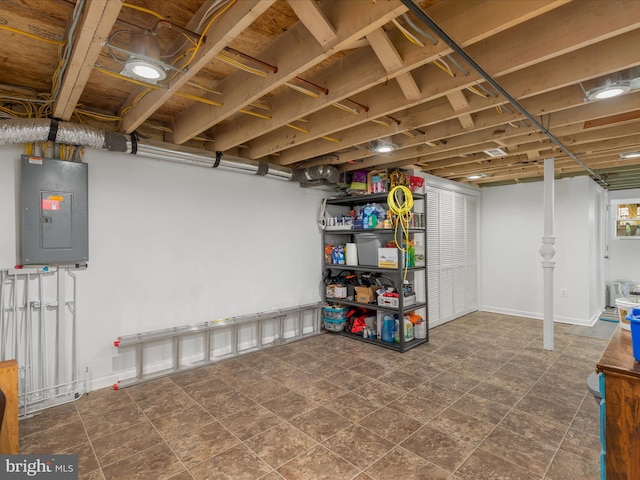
x=628, y=155
x=495, y=152
x=609, y=91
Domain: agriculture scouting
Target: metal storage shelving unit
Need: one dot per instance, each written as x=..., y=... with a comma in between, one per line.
x=396, y=274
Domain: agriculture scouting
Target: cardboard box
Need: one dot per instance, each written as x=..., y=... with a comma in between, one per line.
x=365, y=294
x=388, y=258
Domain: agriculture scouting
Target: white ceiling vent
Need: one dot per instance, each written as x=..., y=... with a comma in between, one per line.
x=495, y=152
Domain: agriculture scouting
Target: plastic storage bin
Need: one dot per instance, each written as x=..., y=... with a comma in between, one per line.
x=368, y=244
x=334, y=313
x=334, y=324
x=623, y=289
x=394, y=302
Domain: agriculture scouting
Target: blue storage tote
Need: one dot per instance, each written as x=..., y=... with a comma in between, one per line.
x=334, y=325
x=334, y=313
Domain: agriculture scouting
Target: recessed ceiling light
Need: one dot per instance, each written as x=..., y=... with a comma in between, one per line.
x=383, y=147
x=609, y=91
x=144, y=70
x=144, y=63
x=628, y=155
x=495, y=152
x=476, y=176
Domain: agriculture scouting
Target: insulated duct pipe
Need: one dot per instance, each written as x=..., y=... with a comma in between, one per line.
x=458, y=49
x=319, y=172
x=16, y=131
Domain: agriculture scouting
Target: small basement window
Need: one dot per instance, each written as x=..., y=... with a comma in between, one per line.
x=627, y=219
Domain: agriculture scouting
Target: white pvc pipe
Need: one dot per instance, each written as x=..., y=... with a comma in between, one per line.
x=73, y=328
x=42, y=339
x=547, y=251
x=28, y=347
x=61, y=330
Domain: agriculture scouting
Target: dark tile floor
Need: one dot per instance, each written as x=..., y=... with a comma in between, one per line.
x=481, y=400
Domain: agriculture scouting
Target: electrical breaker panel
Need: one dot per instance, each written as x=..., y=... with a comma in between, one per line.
x=54, y=206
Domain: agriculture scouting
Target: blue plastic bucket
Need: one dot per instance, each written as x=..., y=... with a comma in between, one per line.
x=634, y=319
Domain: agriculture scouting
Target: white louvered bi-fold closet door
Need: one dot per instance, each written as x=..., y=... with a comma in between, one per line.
x=452, y=254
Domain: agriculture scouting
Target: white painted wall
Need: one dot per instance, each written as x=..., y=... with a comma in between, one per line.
x=172, y=245
x=512, y=223
x=511, y=235
x=624, y=255
x=9, y=167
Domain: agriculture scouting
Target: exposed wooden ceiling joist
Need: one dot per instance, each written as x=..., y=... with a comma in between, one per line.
x=294, y=52
x=359, y=72
x=391, y=61
x=503, y=57
x=93, y=28
x=228, y=27
x=331, y=77
x=312, y=17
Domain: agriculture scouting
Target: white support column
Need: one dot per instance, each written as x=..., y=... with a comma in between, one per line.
x=547, y=251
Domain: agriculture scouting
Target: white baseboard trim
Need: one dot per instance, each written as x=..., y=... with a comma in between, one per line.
x=539, y=316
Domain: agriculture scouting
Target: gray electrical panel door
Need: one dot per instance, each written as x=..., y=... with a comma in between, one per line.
x=54, y=203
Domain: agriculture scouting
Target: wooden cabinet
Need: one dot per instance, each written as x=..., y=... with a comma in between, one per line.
x=621, y=415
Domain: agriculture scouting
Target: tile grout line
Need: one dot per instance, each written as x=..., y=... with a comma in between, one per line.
x=90, y=443
x=512, y=408
x=365, y=355
x=123, y=458
x=504, y=416
x=222, y=425
x=243, y=442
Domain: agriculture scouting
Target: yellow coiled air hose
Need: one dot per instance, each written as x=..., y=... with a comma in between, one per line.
x=400, y=201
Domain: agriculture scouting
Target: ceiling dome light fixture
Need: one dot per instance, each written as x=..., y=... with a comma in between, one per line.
x=609, y=91
x=629, y=155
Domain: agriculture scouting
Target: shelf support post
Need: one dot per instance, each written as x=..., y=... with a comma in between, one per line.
x=547, y=251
